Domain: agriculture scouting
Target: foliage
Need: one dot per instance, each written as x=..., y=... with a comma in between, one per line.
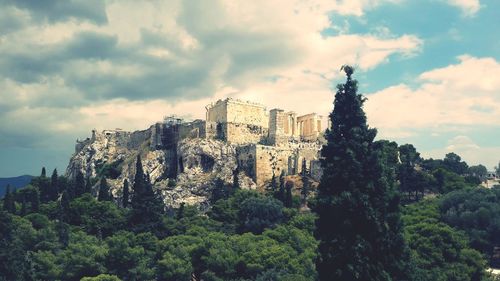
x=438, y=251
x=358, y=224
x=146, y=205
x=477, y=212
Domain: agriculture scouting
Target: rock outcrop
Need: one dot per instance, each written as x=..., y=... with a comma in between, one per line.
x=198, y=163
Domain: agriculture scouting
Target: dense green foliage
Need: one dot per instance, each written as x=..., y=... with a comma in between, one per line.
x=74, y=229
x=358, y=226
x=438, y=251
x=246, y=236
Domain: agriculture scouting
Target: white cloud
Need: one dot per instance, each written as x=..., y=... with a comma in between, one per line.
x=267, y=51
x=469, y=151
x=463, y=94
x=468, y=7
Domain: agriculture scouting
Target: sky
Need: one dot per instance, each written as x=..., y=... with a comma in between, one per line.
x=429, y=68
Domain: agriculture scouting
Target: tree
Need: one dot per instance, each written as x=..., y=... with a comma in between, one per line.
x=8, y=201
x=273, y=186
x=281, y=191
x=220, y=190
x=258, y=213
x=288, y=196
x=88, y=186
x=44, y=173
x=479, y=171
x=54, y=186
x=104, y=194
x=453, y=163
x=147, y=206
x=306, y=185
x=236, y=182
x=358, y=225
x=497, y=169
x=125, y=197
x=79, y=184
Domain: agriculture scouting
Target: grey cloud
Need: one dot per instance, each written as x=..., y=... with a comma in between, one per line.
x=56, y=10
x=31, y=63
x=91, y=45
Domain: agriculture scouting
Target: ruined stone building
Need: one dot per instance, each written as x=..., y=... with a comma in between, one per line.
x=183, y=159
x=267, y=142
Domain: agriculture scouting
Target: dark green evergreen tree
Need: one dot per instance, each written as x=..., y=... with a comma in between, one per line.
x=88, y=186
x=147, y=206
x=43, y=185
x=79, y=184
x=104, y=194
x=125, y=197
x=220, y=190
x=54, y=186
x=64, y=207
x=236, y=182
x=35, y=200
x=24, y=209
x=273, y=186
x=288, y=196
x=8, y=201
x=358, y=225
x=180, y=211
x=281, y=192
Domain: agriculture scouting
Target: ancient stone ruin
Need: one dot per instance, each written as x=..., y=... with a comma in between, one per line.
x=267, y=142
x=182, y=158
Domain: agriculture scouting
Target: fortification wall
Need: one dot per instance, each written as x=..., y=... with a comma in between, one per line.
x=236, y=111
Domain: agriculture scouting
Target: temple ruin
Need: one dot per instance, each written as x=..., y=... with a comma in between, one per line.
x=267, y=142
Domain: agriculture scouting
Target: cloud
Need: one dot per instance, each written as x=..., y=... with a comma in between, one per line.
x=54, y=10
x=462, y=94
x=469, y=151
x=469, y=7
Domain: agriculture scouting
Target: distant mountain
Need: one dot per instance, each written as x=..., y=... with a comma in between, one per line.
x=15, y=183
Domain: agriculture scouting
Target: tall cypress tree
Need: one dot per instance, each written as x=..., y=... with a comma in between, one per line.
x=79, y=184
x=281, y=192
x=358, y=225
x=104, y=194
x=147, y=206
x=125, y=198
x=54, y=186
x=288, y=196
x=44, y=173
x=8, y=201
x=88, y=186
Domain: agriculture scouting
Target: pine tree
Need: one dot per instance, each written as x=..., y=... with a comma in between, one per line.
x=35, y=201
x=288, y=196
x=8, y=201
x=304, y=168
x=273, y=186
x=104, y=194
x=125, y=198
x=220, y=191
x=79, y=184
x=54, y=186
x=88, y=186
x=64, y=207
x=281, y=192
x=147, y=206
x=180, y=211
x=358, y=225
x=236, y=182
x=24, y=210
x=43, y=185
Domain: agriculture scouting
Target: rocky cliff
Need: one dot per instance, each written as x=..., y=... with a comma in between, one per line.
x=182, y=172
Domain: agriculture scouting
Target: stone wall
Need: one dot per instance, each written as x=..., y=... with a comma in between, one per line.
x=236, y=111
x=260, y=162
x=310, y=126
